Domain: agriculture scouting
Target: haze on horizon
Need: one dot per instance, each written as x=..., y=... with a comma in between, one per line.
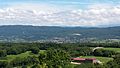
x=87, y=13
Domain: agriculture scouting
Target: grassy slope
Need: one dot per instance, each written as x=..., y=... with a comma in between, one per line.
x=113, y=49
x=102, y=59
x=22, y=55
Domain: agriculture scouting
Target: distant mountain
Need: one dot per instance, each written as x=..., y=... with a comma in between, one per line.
x=56, y=34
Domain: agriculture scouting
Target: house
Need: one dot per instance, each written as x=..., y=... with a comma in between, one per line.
x=84, y=60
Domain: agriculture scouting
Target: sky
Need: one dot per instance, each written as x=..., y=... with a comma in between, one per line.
x=84, y=13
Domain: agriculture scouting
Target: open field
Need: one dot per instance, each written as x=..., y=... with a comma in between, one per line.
x=22, y=55
x=113, y=49
x=102, y=59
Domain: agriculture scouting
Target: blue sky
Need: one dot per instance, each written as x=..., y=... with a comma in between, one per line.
x=60, y=2
x=92, y=13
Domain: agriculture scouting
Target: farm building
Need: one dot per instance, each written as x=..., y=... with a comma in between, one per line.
x=84, y=60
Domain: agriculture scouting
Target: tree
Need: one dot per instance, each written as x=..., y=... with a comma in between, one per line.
x=35, y=50
x=104, y=53
x=24, y=66
x=42, y=58
x=3, y=64
x=36, y=66
x=107, y=53
x=3, y=53
x=55, y=58
x=12, y=51
x=115, y=63
x=98, y=52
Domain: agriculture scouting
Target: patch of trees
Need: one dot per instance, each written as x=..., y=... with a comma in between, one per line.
x=30, y=60
x=113, y=45
x=115, y=63
x=103, y=53
x=81, y=51
x=3, y=64
x=3, y=53
x=34, y=50
x=17, y=48
x=52, y=58
x=75, y=49
x=55, y=58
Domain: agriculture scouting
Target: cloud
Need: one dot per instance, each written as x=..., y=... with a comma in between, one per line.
x=96, y=15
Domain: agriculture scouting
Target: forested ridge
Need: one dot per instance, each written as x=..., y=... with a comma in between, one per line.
x=71, y=34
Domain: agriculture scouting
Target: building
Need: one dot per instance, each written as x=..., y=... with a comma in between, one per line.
x=84, y=60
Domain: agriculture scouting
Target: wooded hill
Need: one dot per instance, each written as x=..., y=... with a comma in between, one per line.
x=35, y=33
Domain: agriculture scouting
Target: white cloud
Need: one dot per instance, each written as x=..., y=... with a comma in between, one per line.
x=46, y=15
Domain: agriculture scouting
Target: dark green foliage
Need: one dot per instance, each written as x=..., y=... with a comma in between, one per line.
x=42, y=58
x=55, y=58
x=36, y=66
x=24, y=66
x=104, y=53
x=81, y=51
x=98, y=52
x=24, y=61
x=85, y=66
x=115, y=63
x=12, y=51
x=117, y=59
x=3, y=64
x=35, y=50
x=3, y=53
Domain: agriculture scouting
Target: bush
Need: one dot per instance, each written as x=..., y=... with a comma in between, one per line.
x=35, y=50
x=3, y=53
x=3, y=64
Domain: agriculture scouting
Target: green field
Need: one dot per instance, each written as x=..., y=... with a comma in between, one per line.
x=102, y=59
x=12, y=57
x=22, y=55
x=113, y=49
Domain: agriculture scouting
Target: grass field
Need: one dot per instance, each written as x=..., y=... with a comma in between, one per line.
x=102, y=59
x=113, y=49
x=22, y=55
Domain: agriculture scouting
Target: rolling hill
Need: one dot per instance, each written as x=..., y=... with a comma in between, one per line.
x=22, y=33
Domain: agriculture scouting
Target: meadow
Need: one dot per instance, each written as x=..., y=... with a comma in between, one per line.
x=113, y=49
